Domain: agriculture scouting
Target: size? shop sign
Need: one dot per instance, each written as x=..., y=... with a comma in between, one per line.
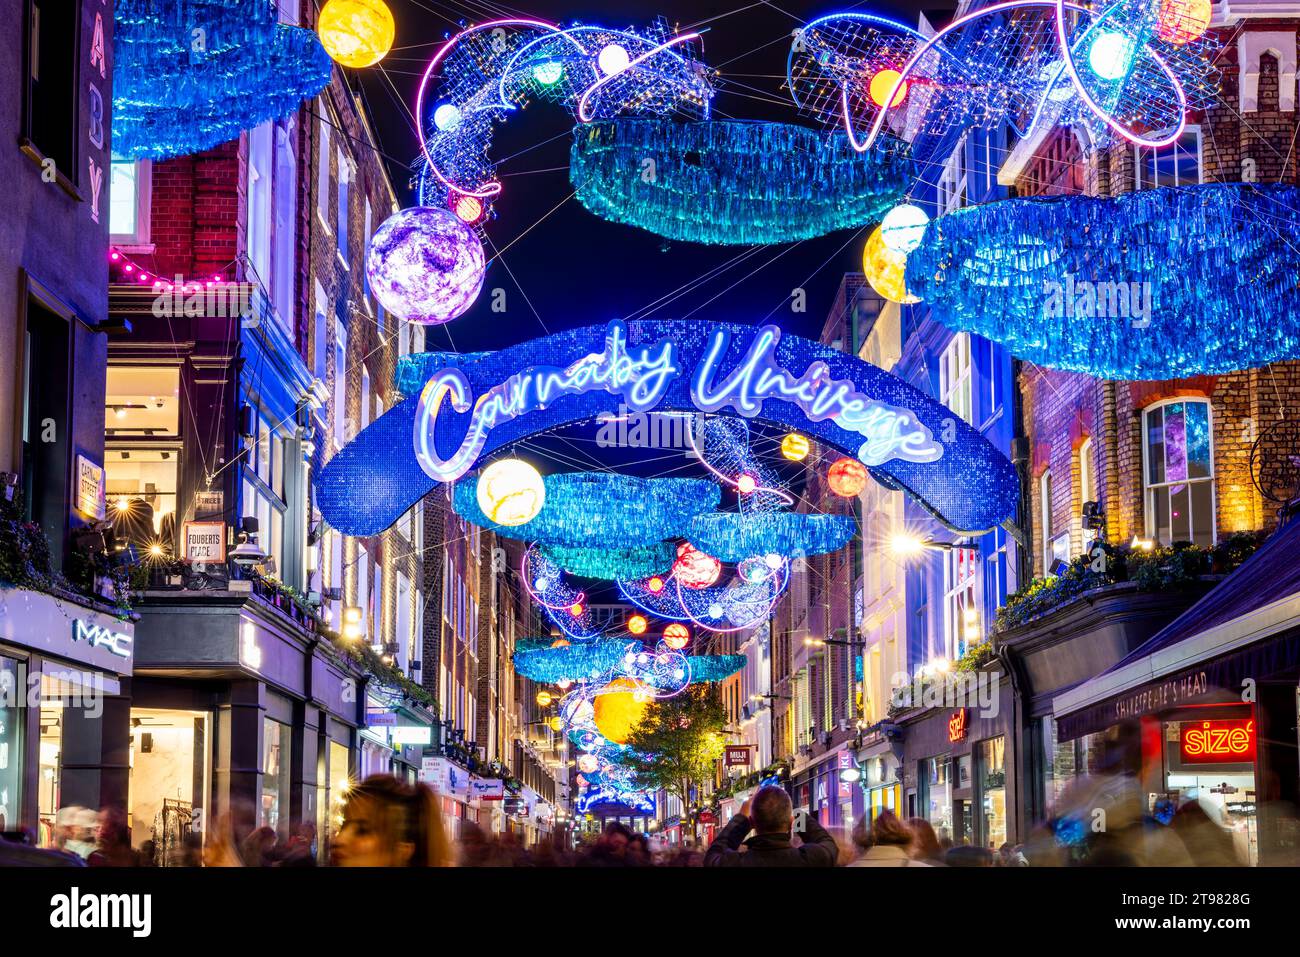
x=1230, y=741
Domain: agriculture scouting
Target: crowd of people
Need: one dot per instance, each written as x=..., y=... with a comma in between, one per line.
x=389, y=823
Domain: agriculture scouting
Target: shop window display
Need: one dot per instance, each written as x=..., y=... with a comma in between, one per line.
x=11, y=748
x=1210, y=761
x=169, y=783
x=275, y=775
x=993, y=792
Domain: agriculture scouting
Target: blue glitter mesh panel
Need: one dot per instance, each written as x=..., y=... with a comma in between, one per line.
x=733, y=182
x=1156, y=284
x=733, y=537
x=369, y=484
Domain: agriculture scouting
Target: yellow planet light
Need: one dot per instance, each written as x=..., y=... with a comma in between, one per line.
x=556, y=724
x=882, y=83
x=618, y=708
x=510, y=492
x=794, y=447
x=885, y=269
x=356, y=33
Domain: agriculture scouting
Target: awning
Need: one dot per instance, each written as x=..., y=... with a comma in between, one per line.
x=1247, y=627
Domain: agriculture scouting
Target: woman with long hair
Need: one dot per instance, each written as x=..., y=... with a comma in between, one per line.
x=387, y=823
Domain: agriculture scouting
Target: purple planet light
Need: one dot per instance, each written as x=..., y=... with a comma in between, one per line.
x=425, y=265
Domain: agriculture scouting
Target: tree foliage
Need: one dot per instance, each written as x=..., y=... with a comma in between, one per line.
x=678, y=740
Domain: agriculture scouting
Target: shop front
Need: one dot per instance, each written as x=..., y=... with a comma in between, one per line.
x=879, y=777
x=63, y=713
x=1207, y=709
x=394, y=737
x=451, y=781
x=956, y=767
x=822, y=790
x=240, y=718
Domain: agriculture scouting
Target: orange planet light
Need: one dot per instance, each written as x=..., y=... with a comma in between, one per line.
x=1182, y=21
x=676, y=636
x=618, y=708
x=637, y=624
x=847, y=477
x=882, y=83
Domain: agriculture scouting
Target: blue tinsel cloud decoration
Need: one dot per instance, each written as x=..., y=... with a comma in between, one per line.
x=192, y=74
x=733, y=537
x=1156, y=284
x=639, y=561
x=575, y=662
x=601, y=509
x=732, y=181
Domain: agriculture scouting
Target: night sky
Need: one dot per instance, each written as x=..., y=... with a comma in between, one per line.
x=576, y=269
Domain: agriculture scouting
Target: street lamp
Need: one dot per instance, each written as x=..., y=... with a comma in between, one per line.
x=770, y=697
x=847, y=643
x=906, y=545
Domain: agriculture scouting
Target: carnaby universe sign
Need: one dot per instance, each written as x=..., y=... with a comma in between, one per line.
x=463, y=408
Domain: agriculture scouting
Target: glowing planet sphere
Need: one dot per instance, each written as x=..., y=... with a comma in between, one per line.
x=542, y=584
x=903, y=227
x=746, y=483
x=886, y=269
x=356, y=33
x=637, y=624
x=425, y=265
x=447, y=117
x=1110, y=55
x=548, y=73
x=557, y=724
x=655, y=584
x=588, y=763
x=847, y=477
x=882, y=83
x=1182, y=21
x=576, y=609
x=544, y=698
x=677, y=636
x=612, y=59
x=794, y=447
x=510, y=492
x=618, y=707
x=694, y=568
x=716, y=610
x=773, y=560
x=468, y=209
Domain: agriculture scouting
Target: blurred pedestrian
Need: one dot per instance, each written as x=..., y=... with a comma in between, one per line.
x=925, y=843
x=638, y=852
x=966, y=855
x=887, y=842
x=113, y=841
x=257, y=849
x=610, y=849
x=387, y=823
x=770, y=815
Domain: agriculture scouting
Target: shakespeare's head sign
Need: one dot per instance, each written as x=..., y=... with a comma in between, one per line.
x=473, y=405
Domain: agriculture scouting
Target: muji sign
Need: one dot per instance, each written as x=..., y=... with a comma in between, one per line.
x=462, y=408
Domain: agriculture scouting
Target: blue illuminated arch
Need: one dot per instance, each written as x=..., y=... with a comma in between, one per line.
x=471, y=406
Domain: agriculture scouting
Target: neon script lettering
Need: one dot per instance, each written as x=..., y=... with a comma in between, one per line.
x=890, y=433
x=1207, y=741
x=639, y=376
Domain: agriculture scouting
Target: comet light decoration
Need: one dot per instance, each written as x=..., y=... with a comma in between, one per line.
x=1120, y=68
x=486, y=73
x=173, y=96
x=1200, y=279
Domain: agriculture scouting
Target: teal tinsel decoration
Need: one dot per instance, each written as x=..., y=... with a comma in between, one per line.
x=733, y=536
x=613, y=563
x=1156, y=284
x=706, y=668
x=192, y=74
x=601, y=509
x=579, y=661
x=733, y=181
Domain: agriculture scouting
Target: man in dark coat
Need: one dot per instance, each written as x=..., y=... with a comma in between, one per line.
x=770, y=815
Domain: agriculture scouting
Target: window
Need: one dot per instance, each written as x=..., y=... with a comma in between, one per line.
x=1178, y=462
x=51, y=125
x=365, y=274
x=320, y=340
x=955, y=376
x=128, y=201
x=323, y=174
x=11, y=742
x=992, y=779
x=142, y=452
x=365, y=396
x=286, y=212
x=259, y=203
x=340, y=384
x=402, y=633
x=961, y=606
x=952, y=181
x=1087, y=493
x=341, y=227
x=276, y=741
x=1178, y=164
